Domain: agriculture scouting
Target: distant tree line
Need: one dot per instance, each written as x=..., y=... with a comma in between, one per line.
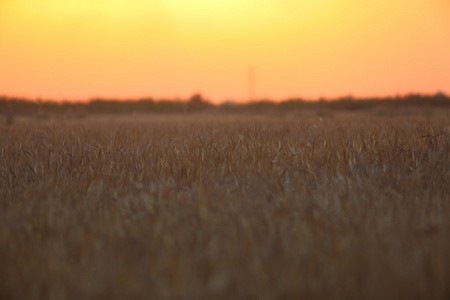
x=20, y=106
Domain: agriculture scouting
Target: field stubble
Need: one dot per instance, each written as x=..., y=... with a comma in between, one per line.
x=341, y=207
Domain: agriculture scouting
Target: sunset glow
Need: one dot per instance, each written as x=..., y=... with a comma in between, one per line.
x=79, y=49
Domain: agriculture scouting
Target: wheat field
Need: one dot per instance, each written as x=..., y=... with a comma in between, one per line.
x=313, y=206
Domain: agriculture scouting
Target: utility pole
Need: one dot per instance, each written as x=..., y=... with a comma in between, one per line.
x=251, y=83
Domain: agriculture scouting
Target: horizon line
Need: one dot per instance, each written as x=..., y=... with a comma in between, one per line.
x=234, y=101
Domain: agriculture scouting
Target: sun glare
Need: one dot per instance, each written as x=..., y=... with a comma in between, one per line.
x=235, y=16
x=219, y=16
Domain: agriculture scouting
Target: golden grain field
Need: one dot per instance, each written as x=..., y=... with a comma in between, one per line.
x=340, y=206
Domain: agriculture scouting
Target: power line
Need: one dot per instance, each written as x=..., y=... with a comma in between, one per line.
x=251, y=82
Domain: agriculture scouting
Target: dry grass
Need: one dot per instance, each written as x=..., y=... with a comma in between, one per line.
x=344, y=207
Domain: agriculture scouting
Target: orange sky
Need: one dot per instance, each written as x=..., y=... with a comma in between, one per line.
x=79, y=49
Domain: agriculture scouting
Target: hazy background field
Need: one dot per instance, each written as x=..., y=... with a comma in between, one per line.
x=312, y=204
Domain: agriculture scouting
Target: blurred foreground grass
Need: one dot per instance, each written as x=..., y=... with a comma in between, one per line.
x=236, y=207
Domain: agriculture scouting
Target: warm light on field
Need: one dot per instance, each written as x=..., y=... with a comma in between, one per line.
x=173, y=48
